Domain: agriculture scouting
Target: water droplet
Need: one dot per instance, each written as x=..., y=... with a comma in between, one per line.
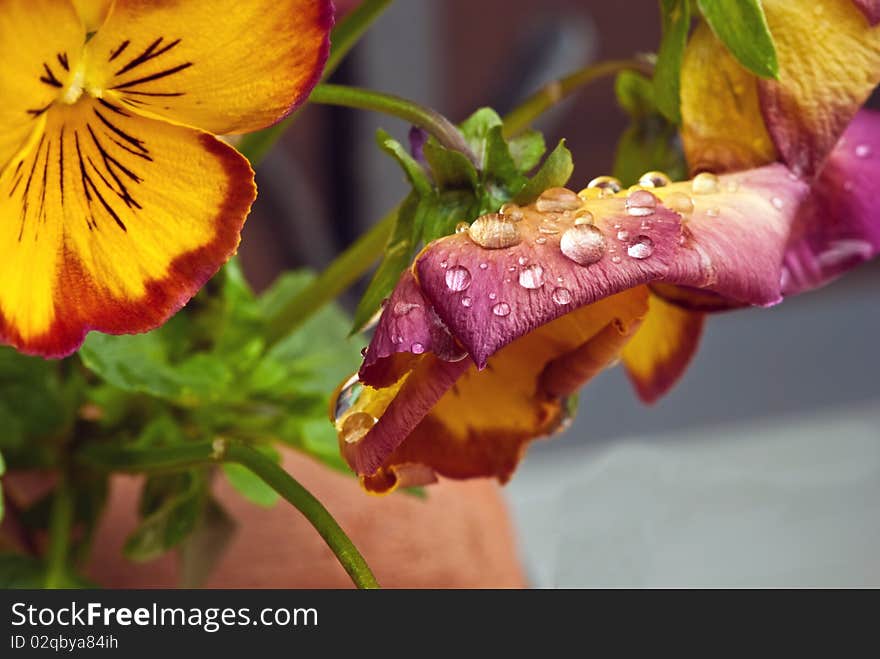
x=640, y=203
x=584, y=217
x=444, y=264
x=511, y=268
x=863, y=151
x=615, y=259
x=623, y=235
x=584, y=244
x=680, y=203
x=541, y=240
x=403, y=308
x=458, y=278
x=562, y=296
x=347, y=396
x=705, y=183
x=396, y=339
x=777, y=203
x=550, y=228
x=645, y=225
x=501, y=309
x=557, y=200
x=493, y=296
x=713, y=212
x=462, y=227
x=467, y=302
x=511, y=211
x=606, y=183
x=531, y=277
x=483, y=266
x=522, y=260
x=654, y=180
x=356, y=427
x=642, y=248
x=560, y=279
x=494, y=231
x=417, y=348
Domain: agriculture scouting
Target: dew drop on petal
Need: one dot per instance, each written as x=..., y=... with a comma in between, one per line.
x=606, y=183
x=549, y=227
x=522, y=260
x=511, y=211
x=467, y=302
x=462, y=227
x=640, y=203
x=584, y=217
x=494, y=231
x=347, y=396
x=777, y=203
x=501, y=309
x=356, y=427
x=417, y=348
x=623, y=235
x=511, y=268
x=483, y=266
x=562, y=296
x=531, y=277
x=654, y=180
x=458, y=278
x=557, y=200
x=863, y=151
x=680, y=203
x=584, y=244
x=642, y=248
x=705, y=183
x=493, y=296
x=444, y=264
x=540, y=240
x=403, y=308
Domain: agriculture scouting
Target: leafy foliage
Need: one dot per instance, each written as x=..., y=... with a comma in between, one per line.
x=742, y=27
x=667, y=74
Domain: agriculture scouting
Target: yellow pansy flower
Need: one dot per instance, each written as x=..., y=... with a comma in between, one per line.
x=117, y=202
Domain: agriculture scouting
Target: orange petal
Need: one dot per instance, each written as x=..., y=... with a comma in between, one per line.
x=662, y=348
x=93, y=12
x=112, y=222
x=224, y=66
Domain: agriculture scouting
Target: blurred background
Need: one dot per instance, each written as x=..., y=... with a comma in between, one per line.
x=761, y=468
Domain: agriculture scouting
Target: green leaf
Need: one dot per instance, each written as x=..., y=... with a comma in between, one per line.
x=170, y=506
x=26, y=572
x=649, y=145
x=742, y=27
x=499, y=167
x=667, y=74
x=527, y=150
x=205, y=546
x=555, y=172
x=249, y=485
x=2, y=471
x=475, y=130
x=413, y=170
x=450, y=169
x=635, y=94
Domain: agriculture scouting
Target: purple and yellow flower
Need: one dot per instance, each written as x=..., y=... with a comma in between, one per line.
x=485, y=339
x=117, y=201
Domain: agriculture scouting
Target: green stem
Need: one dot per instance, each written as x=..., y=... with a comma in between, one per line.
x=113, y=458
x=366, y=99
x=255, y=146
x=60, y=527
x=345, y=269
x=521, y=117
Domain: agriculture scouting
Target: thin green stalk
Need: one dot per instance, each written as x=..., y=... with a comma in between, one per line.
x=430, y=120
x=162, y=460
x=520, y=118
x=60, y=527
x=345, y=269
x=255, y=146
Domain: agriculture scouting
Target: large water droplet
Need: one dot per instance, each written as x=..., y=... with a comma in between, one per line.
x=557, y=200
x=501, y=309
x=511, y=211
x=403, y=308
x=584, y=244
x=347, y=396
x=705, y=183
x=640, y=203
x=654, y=180
x=356, y=427
x=562, y=296
x=680, y=203
x=531, y=277
x=642, y=248
x=863, y=151
x=458, y=278
x=606, y=183
x=494, y=231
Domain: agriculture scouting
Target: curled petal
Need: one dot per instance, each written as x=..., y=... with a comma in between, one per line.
x=870, y=8
x=224, y=66
x=839, y=225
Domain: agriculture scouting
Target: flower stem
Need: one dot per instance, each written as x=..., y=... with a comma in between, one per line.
x=255, y=146
x=60, y=527
x=176, y=458
x=521, y=117
x=366, y=99
x=345, y=269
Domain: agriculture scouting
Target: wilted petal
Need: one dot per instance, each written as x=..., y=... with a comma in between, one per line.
x=839, y=225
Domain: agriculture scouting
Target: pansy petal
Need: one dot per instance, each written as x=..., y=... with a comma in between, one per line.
x=93, y=12
x=829, y=62
x=464, y=422
x=870, y=8
x=40, y=43
x=662, y=348
x=490, y=297
x=112, y=222
x=224, y=66
x=839, y=224
x=722, y=127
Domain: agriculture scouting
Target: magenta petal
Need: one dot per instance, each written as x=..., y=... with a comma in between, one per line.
x=490, y=297
x=870, y=8
x=839, y=225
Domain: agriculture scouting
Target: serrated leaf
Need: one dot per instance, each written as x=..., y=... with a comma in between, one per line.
x=413, y=170
x=742, y=27
x=527, y=150
x=249, y=485
x=555, y=172
x=667, y=73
